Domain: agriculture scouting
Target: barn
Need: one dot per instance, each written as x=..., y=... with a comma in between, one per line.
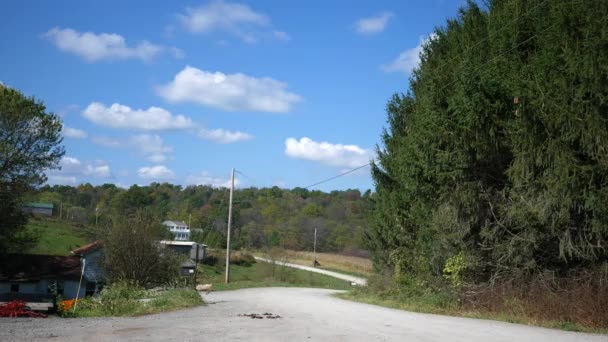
x=45, y=209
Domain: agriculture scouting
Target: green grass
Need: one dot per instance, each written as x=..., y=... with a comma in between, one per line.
x=124, y=300
x=437, y=303
x=266, y=275
x=55, y=237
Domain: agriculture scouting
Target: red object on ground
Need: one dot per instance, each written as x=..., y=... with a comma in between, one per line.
x=16, y=308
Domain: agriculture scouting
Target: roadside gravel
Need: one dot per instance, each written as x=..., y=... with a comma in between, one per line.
x=305, y=315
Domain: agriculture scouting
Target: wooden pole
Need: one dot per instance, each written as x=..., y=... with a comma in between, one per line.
x=84, y=262
x=314, y=249
x=229, y=225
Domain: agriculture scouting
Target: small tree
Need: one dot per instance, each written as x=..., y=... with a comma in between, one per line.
x=30, y=141
x=133, y=251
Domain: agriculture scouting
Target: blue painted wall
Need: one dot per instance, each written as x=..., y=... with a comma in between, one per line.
x=70, y=288
x=93, y=271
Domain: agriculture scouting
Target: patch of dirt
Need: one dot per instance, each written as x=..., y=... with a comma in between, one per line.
x=266, y=315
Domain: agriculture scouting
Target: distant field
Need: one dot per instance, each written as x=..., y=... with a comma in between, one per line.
x=334, y=262
x=266, y=275
x=55, y=237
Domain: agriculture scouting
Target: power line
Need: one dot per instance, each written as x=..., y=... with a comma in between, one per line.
x=253, y=181
x=456, y=79
x=338, y=176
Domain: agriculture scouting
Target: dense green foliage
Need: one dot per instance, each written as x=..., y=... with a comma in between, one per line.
x=495, y=162
x=132, y=253
x=127, y=299
x=261, y=217
x=30, y=143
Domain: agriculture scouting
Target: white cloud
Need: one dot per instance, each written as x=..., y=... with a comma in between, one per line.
x=120, y=116
x=408, y=59
x=281, y=35
x=97, y=171
x=152, y=147
x=107, y=141
x=374, y=24
x=148, y=146
x=232, y=18
x=59, y=179
x=122, y=185
x=233, y=92
x=331, y=154
x=70, y=164
x=223, y=136
x=205, y=178
x=157, y=172
x=74, y=133
x=94, y=47
x=72, y=169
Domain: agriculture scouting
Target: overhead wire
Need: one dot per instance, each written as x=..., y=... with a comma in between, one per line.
x=338, y=176
x=442, y=89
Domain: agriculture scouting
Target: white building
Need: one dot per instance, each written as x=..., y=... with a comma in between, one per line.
x=180, y=230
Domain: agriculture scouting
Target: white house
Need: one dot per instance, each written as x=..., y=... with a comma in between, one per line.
x=180, y=230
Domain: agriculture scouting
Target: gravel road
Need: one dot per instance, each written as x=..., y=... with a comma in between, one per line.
x=357, y=280
x=306, y=315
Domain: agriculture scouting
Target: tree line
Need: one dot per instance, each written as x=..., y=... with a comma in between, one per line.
x=262, y=217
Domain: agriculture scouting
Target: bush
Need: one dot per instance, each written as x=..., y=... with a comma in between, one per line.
x=118, y=299
x=217, y=257
x=242, y=259
x=133, y=253
x=210, y=260
x=126, y=299
x=580, y=298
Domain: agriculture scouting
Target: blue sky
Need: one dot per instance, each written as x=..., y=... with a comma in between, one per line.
x=287, y=92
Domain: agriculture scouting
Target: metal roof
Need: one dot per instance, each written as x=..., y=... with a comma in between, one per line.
x=32, y=267
x=176, y=223
x=39, y=205
x=177, y=243
x=87, y=248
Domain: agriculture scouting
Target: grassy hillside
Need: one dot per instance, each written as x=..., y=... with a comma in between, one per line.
x=56, y=237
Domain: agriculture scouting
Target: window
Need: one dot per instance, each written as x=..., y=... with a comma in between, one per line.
x=14, y=288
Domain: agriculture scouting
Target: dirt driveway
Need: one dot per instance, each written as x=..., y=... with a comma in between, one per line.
x=305, y=315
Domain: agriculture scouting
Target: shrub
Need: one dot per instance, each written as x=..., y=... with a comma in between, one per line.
x=242, y=259
x=133, y=253
x=217, y=257
x=124, y=298
x=210, y=260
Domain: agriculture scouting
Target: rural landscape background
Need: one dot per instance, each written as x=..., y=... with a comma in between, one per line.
x=480, y=191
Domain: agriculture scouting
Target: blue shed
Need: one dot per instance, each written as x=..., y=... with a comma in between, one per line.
x=27, y=276
x=91, y=255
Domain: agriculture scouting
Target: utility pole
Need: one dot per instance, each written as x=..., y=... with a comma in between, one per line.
x=60, y=210
x=96, y=214
x=229, y=224
x=314, y=249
